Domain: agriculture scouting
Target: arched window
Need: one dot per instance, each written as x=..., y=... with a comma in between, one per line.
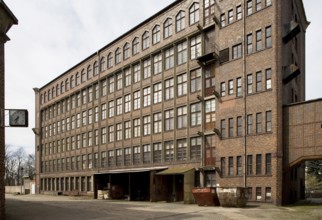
x=62, y=87
x=145, y=40
x=53, y=92
x=102, y=64
x=109, y=60
x=167, y=32
x=117, y=55
x=126, y=51
x=57, y=90
x=135, y=46
x=95, y=68
x=194, y=13
x=180, y=21
x=89, y=72
x=78, y=79
x=83, y=76
x=72, y=82
x=66, y=85
x=156, y=34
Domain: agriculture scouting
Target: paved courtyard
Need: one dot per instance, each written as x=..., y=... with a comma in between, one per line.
x=33, y=207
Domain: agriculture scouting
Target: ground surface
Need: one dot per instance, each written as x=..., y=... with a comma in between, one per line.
x=34, y=207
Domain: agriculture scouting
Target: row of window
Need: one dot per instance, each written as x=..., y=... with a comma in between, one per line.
x=234, y=127
x=116, y=57
x=82, y=184
x=160, y=152
x=258, y=193
x=229, y=169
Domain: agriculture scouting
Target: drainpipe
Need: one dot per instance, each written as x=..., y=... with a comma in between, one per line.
x=245, y=94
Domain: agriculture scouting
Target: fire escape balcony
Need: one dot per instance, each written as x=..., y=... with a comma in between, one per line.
x=290, y=72
x=290, y=31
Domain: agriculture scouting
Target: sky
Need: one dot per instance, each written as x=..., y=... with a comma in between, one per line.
x=54, y=35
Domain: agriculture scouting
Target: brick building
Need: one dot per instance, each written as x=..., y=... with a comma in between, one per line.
x=7, y=19
x=192, y=96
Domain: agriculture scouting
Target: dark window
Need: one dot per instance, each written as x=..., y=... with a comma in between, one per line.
x=249, y=164
x=259, y=122
x=268, y=167
x=224, y=55
x=258, y=164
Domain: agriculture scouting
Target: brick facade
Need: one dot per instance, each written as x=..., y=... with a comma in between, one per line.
x=243, y=55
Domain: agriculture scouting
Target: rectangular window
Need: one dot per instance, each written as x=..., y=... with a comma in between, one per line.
x=237, y=51
x=111, y=84
x=136, y=73
x=268, y=37
x=136, y=155
x=127, y=156
x=249, y=164
x=239, y=12
x=258, y=193
x=258, y=40
x=209, y=10
x=209, y=77
x=119, y=81
x=169, y=120
x=103, y=111
x=268, y=2
x=230, y=16
x=90, y=138
x=146, y=96
x=230, y=166
x=111, y=134
x=103, y=87
x=250, y=193
x=147, y=153
x=223, y=166
x=157, y=93
x=103, y=159
x=137, y=100
x=259, y=81
x=239, y=166
x=249, y=84
x=169, y=58
x=111, y=158
x=268, y=121
x=268, y=75
x=119, y=159
x=249, y=43
x=119, y=131
x=210, y=110
x=146, y=125
x=182, y=117
x=127, y=130
x=231, y=127
x=268, y=193
x=223, y=128
x=182, y=149
x=239, y=126
x=119, y=106
x=258, y=122
x=169, y=89
x=157, y=64
x=239, y=87
x=157, y=123
x=146, y=68
x=195, y=114
x=182, y=85
x=249, y=124
x=195, y=148
x=258, y=164
x=111, y=109
x=90, y=117
x=157, y=152
x=128, y=77
x=249, y=7
x=127, y=103
x=168, y=151
x=182, y=53
x=137, y=127
x=258, y=5
x=195, y=80
x=195, y=47
x=230, y=87
x=268, y=165
x=222, y=89
x=223, y=20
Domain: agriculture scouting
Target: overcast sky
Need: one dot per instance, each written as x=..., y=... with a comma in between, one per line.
x=54, y=35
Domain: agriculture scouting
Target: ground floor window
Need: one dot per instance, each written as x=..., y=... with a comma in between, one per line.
x=210, y=178
x=250, y=193
x=258, y=193
x=268, y=193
